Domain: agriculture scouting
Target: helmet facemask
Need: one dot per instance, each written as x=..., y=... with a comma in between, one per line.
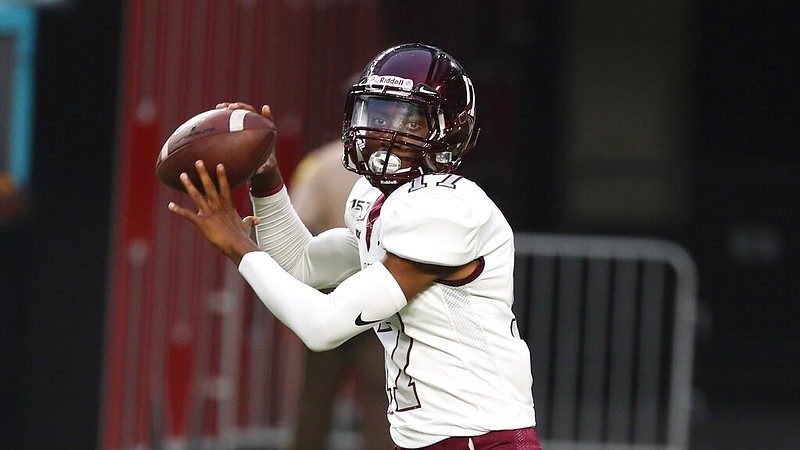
x=391, y=141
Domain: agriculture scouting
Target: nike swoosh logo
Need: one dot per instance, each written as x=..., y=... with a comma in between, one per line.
x=361, y=322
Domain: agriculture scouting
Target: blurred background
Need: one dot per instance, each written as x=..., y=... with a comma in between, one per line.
x=670, y=119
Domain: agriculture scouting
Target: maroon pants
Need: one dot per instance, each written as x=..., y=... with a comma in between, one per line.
x=522, y=439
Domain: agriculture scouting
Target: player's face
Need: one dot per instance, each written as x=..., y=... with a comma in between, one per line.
x=388, y=114
x=407, y=119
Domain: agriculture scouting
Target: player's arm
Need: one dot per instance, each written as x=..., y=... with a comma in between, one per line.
x=322, y=321
x=414, y=277
x=322, y=261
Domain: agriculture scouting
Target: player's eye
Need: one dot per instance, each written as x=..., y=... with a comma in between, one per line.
x=379, y=122
x=413, y=125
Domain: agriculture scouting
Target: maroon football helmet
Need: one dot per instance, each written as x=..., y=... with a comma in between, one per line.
x=411, y=112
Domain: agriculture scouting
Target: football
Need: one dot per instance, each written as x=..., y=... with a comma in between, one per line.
x=242, y=140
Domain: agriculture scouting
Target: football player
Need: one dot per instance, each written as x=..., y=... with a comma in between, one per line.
x=425, y=261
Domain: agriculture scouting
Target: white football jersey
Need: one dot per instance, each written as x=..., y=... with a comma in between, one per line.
x=455, y=364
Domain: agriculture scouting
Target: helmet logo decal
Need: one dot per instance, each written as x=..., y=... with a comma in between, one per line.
x=378, y=159
x=391, y=80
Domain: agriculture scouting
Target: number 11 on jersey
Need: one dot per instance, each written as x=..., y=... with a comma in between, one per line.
x=400, y=387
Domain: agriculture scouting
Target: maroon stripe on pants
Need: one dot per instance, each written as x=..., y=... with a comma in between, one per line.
x=521, y=439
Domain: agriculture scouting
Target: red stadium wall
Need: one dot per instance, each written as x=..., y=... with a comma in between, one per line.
x=191, y=355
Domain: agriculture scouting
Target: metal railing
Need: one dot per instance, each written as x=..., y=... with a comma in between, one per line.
x=610, y=322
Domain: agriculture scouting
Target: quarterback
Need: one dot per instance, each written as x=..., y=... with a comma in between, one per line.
x=425, y=261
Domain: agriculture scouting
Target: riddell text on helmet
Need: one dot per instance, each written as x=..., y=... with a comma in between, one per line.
x=389, y=80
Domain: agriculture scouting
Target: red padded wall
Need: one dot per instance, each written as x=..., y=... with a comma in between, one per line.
x=191, y=355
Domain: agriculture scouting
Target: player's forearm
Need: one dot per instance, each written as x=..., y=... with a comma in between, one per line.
x=280, y=232
x=323, y=321
x=321, y=262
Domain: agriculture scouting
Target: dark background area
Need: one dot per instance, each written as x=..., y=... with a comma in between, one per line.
x=55, y=261
x=748, y=182
x=746, y=102
x=743, y=232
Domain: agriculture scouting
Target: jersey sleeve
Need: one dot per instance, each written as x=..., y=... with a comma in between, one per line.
x=434, y=225
x=324, y=321
x=321, y=261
